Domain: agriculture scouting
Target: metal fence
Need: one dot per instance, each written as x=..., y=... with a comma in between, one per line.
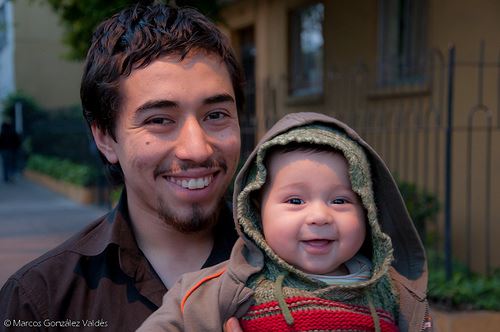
x=442, y=134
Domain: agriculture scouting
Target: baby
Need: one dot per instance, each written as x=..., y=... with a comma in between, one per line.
x=320, y=219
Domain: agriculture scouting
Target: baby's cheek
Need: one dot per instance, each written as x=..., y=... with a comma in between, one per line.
x=281, y=244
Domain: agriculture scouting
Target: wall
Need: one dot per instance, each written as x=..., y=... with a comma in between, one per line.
x=41, y=70
x=345, y=21
x=465, y=24
x=351, y=38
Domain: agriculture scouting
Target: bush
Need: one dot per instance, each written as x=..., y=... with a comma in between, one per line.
x=61, y=133
x=421, y=204
x=465, y=290
x=64, y=135
x=64, y=170
x=32, y=112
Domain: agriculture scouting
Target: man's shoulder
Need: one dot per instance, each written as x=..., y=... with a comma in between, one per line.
x=55, y=262
x=92, y=276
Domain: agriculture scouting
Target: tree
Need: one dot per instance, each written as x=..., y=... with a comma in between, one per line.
x=79, y=18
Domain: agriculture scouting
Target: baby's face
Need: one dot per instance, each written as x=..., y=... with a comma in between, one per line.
x=310, y=215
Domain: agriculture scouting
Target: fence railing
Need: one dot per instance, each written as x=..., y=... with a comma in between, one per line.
x=440, y=134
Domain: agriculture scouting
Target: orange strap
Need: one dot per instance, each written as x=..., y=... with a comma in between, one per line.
x=198, y=284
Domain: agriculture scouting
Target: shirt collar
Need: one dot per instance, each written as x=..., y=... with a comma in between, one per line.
x=115, y=233
x=116, y=230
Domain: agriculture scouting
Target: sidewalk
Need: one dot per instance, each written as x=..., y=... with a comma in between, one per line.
x=33, y=220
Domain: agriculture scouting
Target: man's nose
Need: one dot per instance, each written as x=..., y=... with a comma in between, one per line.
x=319, y=214
x=193, y=143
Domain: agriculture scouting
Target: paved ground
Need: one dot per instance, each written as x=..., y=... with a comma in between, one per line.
x=33, y=220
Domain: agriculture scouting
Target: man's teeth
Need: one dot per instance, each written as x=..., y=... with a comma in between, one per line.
x=198, y=183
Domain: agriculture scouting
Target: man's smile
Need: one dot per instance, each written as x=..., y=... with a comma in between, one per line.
x=191, y=183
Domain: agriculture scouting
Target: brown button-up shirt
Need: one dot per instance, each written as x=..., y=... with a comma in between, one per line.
x=98, y=279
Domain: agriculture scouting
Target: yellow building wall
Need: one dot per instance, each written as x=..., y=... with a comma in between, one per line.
x=465, y=24
x=351, y=37
x=343, y=20
x=41, y=70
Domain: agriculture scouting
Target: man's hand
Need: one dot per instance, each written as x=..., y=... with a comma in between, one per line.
x=232, y=325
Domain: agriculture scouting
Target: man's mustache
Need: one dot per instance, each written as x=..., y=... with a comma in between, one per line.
x=186, y=165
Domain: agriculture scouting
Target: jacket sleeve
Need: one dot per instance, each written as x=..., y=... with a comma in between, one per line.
x=414, y=314
x=201, y=301
x=17, y=309
x=194, y=304
x=168, y=317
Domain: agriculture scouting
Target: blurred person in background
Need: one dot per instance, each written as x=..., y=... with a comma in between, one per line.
x=10, y=141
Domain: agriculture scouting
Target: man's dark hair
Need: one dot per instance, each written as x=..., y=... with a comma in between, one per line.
x=132, y=39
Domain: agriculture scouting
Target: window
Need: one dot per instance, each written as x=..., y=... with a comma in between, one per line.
x=402, y=41
x=306, y=50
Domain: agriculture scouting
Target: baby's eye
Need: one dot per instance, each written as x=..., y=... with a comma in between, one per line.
x=295, y=201
x=339, y=201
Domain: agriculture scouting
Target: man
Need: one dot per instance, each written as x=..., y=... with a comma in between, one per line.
x=160, y=91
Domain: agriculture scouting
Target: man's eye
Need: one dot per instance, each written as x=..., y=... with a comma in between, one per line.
x=159, y=121
x=339, y=201
x=217, y=115
x=295, y=201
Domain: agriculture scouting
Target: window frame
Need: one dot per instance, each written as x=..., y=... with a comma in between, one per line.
x=401, y=61
x=316, y=87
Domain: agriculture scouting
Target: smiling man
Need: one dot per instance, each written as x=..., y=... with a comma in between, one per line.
x=161, y=90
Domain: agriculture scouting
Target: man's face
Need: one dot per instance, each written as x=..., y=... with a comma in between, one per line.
x=177, y=139
x=311, y=217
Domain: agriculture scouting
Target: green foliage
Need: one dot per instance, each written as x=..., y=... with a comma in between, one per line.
x=32, y=112
x=80, y=18
x=465, y=290
x=115, y=194
x=59, y=133
x=10, y=101
x=63, y=169
x=421, y=205
x=64, y=134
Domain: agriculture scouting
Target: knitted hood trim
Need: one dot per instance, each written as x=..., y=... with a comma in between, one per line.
x=248, y=216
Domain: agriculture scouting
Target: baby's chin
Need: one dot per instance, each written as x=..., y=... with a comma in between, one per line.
x=338, y=271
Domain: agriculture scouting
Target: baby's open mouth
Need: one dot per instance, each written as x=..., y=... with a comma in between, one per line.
x=318, y=242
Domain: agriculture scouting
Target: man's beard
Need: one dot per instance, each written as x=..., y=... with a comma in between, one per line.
x=198, y=221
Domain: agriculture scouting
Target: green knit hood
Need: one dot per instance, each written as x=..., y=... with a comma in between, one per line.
x=359, y=173
x=365, y=169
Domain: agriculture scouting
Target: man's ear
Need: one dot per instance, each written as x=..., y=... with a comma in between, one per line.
x=105, y=143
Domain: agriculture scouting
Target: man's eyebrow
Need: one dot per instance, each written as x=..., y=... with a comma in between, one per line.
x=219, y=98
x=162, y=103
x=165, y=103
